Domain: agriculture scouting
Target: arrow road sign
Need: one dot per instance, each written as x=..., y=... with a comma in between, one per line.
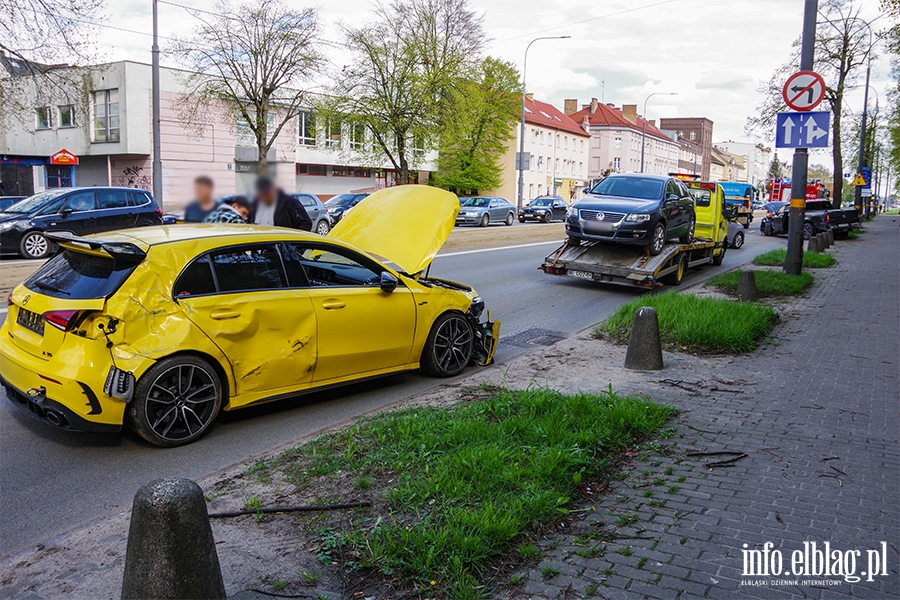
x=803, y=90
x=803, y=130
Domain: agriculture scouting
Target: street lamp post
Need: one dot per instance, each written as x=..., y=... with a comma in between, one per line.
x=644, y=123
x=521, y=157
x=156, y=170
x=857, y=196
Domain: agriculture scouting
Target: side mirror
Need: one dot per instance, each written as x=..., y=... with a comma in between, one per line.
x=388, y=282
x=64, y=213
x=673, y=198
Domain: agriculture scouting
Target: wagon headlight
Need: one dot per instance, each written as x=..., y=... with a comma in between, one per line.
x=572, y=212
x=540, y=211
x=637, y=217
x=471, y=214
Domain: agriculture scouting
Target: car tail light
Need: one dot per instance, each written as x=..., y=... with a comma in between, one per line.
x=769, y=214
x=827, y=218
x=61, y=319
x=159, y=212
x=9, y=301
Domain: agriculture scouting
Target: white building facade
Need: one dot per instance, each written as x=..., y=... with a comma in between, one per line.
x=755, y=157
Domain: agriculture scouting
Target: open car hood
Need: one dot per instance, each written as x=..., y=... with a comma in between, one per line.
x=406, y=224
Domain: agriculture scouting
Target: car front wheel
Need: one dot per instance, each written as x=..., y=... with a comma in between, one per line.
x=449, y=346
x=485, y=220
x=546, y=218
x=658, y=241
x=176, y=401
x=34, y=245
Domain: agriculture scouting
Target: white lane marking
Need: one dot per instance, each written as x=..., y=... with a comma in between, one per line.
x=3, y=310
x=557, y=242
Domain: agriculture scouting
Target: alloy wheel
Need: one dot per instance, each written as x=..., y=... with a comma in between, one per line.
x=453, y=345
x=35, y=245
x=322, y=228
x=659, y=238
x=181, y=402
x=738, y=240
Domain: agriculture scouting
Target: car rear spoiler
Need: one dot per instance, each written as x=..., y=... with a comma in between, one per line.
x=120, y=251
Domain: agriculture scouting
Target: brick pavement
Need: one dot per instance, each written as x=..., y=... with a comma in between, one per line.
x=821, y=430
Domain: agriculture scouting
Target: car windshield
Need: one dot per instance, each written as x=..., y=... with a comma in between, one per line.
x=78, y=276
x=344, y=200
x=644, y=188
x=34, y=203
x=542, y=202
x=477, y=202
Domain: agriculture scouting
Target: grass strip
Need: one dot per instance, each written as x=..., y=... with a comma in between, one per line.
x=463, y=483
x=811, y=260
x=768, y=283
x=696, y=323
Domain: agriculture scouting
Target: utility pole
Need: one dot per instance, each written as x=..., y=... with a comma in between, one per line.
x=644, y=124
x=157, y=159
x=520, y=161
x=857, y=198
x=793, y=263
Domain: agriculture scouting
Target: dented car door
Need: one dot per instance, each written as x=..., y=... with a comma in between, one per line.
x=262, y=322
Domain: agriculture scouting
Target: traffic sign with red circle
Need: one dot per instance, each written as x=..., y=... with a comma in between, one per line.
x=803, y=90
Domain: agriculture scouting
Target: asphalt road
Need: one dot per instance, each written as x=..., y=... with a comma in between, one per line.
x=52, y=481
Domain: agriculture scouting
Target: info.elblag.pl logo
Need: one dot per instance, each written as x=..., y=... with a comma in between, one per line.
x=814, y=560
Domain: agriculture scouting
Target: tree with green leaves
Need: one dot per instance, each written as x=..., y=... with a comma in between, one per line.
x=841, y=52
x=485, y=108
x=775, y=168
x=405, y=67
x=252, y=61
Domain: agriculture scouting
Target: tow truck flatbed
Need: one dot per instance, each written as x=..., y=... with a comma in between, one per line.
x=628, y=265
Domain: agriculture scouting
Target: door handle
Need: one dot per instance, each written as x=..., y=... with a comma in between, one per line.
x=333, y=304
x=222, y=314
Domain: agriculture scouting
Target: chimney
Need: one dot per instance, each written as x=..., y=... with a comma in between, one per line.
x=570, y=106
x=585, y=107
x=586, y=123
x=530, y=97
x=652, y=122
x=593, y=105
x=630, y=112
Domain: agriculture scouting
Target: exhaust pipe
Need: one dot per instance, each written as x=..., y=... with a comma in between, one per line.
x=56, y=418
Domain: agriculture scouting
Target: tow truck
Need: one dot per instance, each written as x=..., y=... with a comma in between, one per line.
x=633, y=266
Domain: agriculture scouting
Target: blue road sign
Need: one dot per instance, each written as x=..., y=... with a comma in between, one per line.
x=867, y=175
x=802, y=130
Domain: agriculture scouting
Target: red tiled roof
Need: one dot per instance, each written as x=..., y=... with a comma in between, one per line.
x=546, y=115
x=607, y=116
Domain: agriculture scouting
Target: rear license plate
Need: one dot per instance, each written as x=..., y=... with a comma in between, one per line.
x=580, y=274
x=31, y=321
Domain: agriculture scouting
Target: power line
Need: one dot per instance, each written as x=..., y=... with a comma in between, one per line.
x=583, y=21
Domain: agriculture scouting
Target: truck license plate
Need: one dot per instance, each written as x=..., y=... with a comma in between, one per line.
x=581, y=274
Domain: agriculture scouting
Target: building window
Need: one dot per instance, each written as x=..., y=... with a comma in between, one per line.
x=350, y=172
x=357, y=135
x=556, y=165
x=530, y=190
x=540, y=165
x=617, y=164
x=307, y=129
x=59, y=176
x=333, y=133
x=106, y=116
x=67, y=115
x=303, y=169
x=693, y=135
x=44, y=118
x=617, y=143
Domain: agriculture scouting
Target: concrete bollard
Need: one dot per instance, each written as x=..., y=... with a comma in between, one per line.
x=831, y=237
x=747, y=291
x=823, y=241
x=813, y=244
x=171, y=553
x=644, y=344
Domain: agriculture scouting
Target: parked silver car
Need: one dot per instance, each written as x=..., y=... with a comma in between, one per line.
x=481, y=210
x=322, y=222
x=735, y=236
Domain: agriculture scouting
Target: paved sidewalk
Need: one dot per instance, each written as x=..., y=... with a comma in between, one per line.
x=821, y=429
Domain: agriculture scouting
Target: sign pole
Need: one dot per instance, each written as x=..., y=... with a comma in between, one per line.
x=793, y=263
x=157, y=145
x=858, y=198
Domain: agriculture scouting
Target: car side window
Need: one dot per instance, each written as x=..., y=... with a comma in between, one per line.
x=138, y=199
x=672, y=188
x=53, y=207
x=112, y=199
x=196, y=279
x=80, y=202
x=244, y=269
x=306, y=200
x=326, y=266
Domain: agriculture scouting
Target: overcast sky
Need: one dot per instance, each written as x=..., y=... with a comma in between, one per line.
x=712, y=53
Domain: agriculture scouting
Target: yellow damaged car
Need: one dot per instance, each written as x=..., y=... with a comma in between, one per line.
x=160, y=328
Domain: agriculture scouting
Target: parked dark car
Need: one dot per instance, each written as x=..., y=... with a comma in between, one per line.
x=634, y=208
x=482, y=210
x=544, y=209
x=81, y=211
x=317, y=212
x=338, y=205
x=819, y=217
x=7, y=201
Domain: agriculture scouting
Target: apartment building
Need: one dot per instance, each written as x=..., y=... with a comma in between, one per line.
x=618, y=137
x=755, y=157
x=92, y=126
x=558, y=151
x=696, y=136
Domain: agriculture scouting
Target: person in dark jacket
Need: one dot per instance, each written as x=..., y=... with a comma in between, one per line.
x=274, y=207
